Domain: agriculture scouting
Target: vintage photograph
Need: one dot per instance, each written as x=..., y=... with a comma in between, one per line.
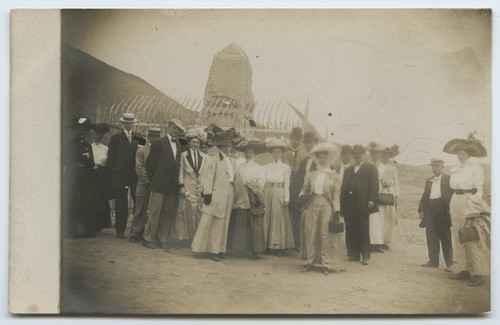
x=258, y=162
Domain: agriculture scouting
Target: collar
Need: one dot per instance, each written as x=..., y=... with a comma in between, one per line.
x=360, y=164
x=437, y=177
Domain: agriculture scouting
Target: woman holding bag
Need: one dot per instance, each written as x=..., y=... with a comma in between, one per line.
x=468, y=209
x=389, y=185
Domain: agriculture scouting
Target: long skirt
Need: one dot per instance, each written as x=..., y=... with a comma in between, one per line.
x=102, y=194
x=470, y=256
x=277, y=223
x=376, y=228
x=187, y=218
x=389, y=213
x=79, y=203
x=211, y=235
x=246, y=232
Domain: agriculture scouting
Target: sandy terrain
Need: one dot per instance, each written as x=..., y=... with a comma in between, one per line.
x=110, y=275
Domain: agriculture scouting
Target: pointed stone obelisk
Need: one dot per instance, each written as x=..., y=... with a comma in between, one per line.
x=228, y=97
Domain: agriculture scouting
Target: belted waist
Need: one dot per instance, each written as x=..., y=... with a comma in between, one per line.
x=461, y=192
x=275, y=184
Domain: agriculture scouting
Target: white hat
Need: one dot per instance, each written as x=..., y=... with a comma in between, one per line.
x=128, y=117
x=331, y=149
x=178, y=124
x=198, y=133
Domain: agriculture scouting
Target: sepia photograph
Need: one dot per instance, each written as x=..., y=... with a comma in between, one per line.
x=275, y=161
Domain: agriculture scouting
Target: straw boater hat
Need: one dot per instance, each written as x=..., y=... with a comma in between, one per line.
x=436, y=161
x=274, y=142
x=374, y=146
x=154, y=131
x=178, y=124
x=331, y=149
x=472, y=146
x=256, y=145
x=198, y=133
x=128, y=117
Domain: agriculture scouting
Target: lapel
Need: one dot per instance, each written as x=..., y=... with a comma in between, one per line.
x=125, y=139
x=200, y=160
x=191, y=160
x=170, y=153
x=221, y=157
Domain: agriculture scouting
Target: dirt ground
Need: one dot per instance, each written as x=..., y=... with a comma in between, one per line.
x=114, y=276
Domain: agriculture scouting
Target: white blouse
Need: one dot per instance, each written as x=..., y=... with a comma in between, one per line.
x=467, y=176
x=251, y=171
x=278, y=172
x=100, y=152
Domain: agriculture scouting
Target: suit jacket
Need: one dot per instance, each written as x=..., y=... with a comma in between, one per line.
x=162, y=167
x=297, y=180
x=215, y=181
x=293, y=158
x=188, y=175
x=140, y=168
x=121, y=160
x=358, y=189
x=331, y=188
x=446, y=193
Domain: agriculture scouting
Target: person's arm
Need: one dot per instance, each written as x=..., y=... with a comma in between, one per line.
x=286, y=184
x=111, y=153
x=306, y=188
x=207, y=179
x=374, y=187
x=478, y=179
x=140, y=167
x=152, y=160
x=423, y=200
x=336, y=193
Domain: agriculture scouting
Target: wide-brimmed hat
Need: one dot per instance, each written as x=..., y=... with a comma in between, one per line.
x=81, y=122
x=128, y=117
x=198, y=133
x=101, y=128
x=274, y=142
x=392, y=151
x=471, y=145
x=258, y=146
x=331, y=149
x=374, y=146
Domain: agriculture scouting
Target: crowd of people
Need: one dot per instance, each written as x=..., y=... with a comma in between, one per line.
x=220, y=193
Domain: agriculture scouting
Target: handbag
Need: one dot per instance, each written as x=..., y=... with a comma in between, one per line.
x=385, y=198
x=336, y=226
x=468, y=233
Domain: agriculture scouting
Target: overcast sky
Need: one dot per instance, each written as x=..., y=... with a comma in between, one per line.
x=416, y=78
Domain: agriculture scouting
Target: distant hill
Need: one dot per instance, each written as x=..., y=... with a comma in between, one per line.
x=88, y=83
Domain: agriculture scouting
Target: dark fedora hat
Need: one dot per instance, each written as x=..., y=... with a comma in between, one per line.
x=310, y=136
x=358, y=149
x=296, y=133
x=471, y=146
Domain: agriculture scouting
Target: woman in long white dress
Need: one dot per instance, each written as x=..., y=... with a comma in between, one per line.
x=377, y=218
x=389, y=183
x=467, y=179
x=277, y=223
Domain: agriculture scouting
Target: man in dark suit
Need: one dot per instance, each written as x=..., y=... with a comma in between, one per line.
x=162, y=167
x=121, y=162
x=358, y=197
x=434, y=211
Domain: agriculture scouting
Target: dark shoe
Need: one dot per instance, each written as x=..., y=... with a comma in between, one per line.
x=133, y=239
x=326, y=271
x=278, y=253
x=255, y=257
x=353, y=259
x=376, y=249
x=148, y=244
x=475, y=281
x=462, y=275
x=364, y=262
x=163, y=245
x=384, y=247
x=429, y=264
x=223, y=256
x=215, y=258
x=448, y=268
x=120, y=235
x=307, y=268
